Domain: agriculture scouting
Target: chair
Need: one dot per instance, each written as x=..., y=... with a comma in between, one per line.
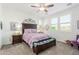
x=75, y=43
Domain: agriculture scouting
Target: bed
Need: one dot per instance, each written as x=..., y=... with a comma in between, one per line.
x=38, y=42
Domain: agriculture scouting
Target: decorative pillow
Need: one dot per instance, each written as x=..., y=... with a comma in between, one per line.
x=78, y=40
x=27, y=30
x=33, y=30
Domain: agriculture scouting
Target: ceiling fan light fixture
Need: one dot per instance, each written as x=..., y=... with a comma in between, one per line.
x=42, y=9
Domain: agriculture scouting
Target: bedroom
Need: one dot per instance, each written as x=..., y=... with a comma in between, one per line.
x=14, y=14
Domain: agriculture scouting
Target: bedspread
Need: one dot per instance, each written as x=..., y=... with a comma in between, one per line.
x=34, y=37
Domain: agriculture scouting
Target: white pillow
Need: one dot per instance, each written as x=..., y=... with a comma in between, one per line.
x=27, y=30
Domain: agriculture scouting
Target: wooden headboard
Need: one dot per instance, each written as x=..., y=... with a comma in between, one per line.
x=28, y=26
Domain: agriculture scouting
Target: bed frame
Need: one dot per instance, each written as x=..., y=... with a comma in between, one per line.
x=39, y=48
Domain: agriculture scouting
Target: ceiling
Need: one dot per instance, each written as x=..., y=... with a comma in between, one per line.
x=25, y=7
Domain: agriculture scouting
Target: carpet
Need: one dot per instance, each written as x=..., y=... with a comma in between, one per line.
x=23, y=49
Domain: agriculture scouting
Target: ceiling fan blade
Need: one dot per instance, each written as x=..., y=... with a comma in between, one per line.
x=50, y=5
x=33, y=6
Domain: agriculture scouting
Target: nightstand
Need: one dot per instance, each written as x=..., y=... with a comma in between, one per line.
x=16, y=39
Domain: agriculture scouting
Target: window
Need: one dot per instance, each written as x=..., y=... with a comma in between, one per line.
x=62, y=23
x=39, y=26
x=40, y=22
x=54, y=24
x=65, y=23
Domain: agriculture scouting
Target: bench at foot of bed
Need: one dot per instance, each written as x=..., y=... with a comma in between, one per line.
x=43, y=47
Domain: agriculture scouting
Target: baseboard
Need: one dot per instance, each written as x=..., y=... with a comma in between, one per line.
x=62, y=41
x=6, y=44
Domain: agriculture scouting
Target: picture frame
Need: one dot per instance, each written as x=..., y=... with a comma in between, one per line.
x=1, y=25
x=13, y=26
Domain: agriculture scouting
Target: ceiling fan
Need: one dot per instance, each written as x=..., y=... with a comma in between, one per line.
x=43, y=7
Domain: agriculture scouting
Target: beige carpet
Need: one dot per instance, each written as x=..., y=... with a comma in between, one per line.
x=23, y=49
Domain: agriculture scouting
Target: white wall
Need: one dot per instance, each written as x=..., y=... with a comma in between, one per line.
x=62, y=36
x=12, y=15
